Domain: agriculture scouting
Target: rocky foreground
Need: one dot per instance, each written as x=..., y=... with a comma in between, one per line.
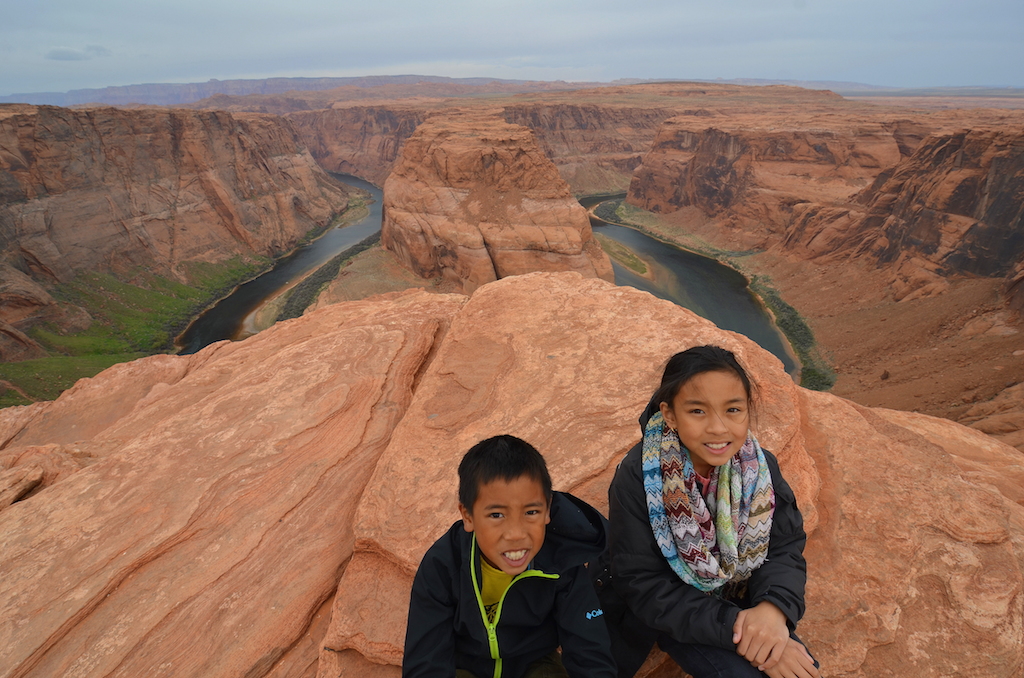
x=259, y=508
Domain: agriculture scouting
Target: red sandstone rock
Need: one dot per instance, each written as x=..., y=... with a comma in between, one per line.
x=20, y=298
x=473, y=199
x=1002, y=417
x=216, y=515
x=117, y=189
x=595, y=147
x=759, y=171
x=934, y=206
x=360, y=140
x=221, y=496
x=953, y=207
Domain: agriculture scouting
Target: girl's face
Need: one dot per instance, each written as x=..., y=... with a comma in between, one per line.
x=711, y=414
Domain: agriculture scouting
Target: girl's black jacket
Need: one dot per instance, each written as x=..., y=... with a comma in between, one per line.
x=551, y=605
x=645, y=598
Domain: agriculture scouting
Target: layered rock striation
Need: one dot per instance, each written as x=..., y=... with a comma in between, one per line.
x=908, y=196
x=259, y=508
x=361, y=140
x=956, y=206
x=110, y=189
x=755, y=174
x=595, y=147
x=474, y=199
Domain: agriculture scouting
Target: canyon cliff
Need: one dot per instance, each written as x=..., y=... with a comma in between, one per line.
x=110, y=189
x=259, y=508
x=360, y=140
x=144, y=191
x=474, y=199
x=920, y=201
x=955, y=206
x=594, y=146
x=751, y=176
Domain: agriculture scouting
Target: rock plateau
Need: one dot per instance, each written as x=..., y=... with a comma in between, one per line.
x=473, y=199
x=259, y=508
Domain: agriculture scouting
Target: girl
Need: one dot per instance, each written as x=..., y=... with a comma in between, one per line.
x=706, y=540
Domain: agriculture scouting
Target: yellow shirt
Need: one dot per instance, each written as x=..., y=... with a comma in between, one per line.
x=493, y=587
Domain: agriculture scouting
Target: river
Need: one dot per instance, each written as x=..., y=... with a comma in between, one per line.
x=706, y=287
x=227, y=318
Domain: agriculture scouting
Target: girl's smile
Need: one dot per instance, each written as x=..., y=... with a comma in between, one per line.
x=711, y=414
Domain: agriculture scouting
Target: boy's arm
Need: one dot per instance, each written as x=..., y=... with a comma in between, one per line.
x=430, y=632
x=586, y=648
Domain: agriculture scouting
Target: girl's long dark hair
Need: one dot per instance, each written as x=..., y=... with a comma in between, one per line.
x=685, y=365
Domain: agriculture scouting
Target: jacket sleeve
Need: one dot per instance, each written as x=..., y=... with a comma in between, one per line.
x=430, y=632
x=644, y=579
x=586, y=649
x=783, y=575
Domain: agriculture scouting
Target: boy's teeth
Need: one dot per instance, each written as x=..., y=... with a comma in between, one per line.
x=515, y=555
x=718, y=446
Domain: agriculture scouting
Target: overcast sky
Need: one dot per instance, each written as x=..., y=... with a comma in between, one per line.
x=54, y=46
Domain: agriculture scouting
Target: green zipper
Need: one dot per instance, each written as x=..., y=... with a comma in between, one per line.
x=492, y=627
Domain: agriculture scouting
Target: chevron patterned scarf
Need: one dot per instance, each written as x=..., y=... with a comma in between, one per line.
x=708, y=546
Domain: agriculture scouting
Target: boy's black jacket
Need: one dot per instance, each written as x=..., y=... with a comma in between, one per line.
x=446, y=629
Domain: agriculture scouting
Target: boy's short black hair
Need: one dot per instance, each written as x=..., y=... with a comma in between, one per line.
x=502, y=457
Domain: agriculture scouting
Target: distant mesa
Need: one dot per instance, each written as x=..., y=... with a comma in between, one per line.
x=473, y=199
x=175, y=94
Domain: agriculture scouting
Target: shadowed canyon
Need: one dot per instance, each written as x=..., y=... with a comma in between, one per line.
x=259, y=508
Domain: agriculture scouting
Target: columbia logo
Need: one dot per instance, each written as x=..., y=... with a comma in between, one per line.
x=595, y=613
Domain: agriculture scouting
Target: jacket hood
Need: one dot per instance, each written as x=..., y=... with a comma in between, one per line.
x=645, y=416
x=575, y=535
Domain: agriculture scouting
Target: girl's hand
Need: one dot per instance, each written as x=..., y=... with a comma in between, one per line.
x=761, y=635
x=795, y=662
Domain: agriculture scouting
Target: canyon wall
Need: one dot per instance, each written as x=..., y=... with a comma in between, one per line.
x=360, y=140
x=753, y=175
x=259, y=508
x=121, y=189
x=474, y=199
x=956, y=206
x=900, y=194
x=595, y=147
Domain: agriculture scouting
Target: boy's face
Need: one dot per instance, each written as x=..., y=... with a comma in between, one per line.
x=509, y=519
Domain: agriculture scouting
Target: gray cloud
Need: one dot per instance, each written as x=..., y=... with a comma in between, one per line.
x=67, y=54
x=70, y=54
x=909, y=43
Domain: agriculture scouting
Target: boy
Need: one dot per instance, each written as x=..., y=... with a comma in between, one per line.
x=506, y=586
